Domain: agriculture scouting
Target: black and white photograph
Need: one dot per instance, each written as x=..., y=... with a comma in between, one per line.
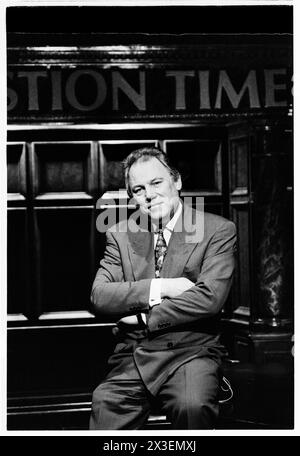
x=150, y=219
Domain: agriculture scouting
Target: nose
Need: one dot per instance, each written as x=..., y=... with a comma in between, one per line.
x=149, y=193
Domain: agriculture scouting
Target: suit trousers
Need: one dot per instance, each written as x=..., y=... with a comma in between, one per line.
x=189, y=398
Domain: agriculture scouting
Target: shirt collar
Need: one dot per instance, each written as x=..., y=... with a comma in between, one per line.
x=171, y=224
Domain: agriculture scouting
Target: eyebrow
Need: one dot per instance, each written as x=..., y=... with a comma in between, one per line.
x=142, y=185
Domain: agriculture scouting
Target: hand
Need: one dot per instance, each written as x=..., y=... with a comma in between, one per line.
x=129, y=320
x=171, y=288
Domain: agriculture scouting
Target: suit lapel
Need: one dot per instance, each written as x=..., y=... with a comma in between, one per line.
x=141, y=254
x=181, y=245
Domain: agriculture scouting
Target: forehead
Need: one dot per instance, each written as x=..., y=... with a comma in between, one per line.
x=144, y=171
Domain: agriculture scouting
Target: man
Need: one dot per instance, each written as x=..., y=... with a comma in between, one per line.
x=165, y=285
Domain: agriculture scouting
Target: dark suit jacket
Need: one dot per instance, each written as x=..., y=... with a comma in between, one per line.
x=178, y=329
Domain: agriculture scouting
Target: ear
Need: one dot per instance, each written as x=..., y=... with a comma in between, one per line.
x=178, y=183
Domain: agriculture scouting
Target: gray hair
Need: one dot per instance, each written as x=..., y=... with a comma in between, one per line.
x=145, y=154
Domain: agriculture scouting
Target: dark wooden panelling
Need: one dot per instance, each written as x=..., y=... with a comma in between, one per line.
x=65, y=259
x=217, y=209
x=266, y=169
x=18, y=264
x=239, y=152
x=239, y=198
x=242, y=290
x=51, y=361
x=16, y=172
x=199, y=163
x=62, y=167
x=66, y=174
x=111, y=156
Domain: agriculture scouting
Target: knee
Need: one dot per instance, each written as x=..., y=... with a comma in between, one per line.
x=206, y=409
x=99, y=404
x=193, y=415
x=190, y=407
x=99, y=395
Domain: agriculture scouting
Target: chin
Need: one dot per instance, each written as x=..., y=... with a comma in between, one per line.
x=159, y=214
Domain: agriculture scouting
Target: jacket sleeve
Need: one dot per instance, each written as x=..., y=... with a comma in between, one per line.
x=111, y=295
x=206, y=298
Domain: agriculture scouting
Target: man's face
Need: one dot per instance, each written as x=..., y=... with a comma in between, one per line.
x=154, y=189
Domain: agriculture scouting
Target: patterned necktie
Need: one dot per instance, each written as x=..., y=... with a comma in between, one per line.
x=160, y=252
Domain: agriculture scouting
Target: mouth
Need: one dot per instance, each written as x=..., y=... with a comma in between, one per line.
x=154, y=205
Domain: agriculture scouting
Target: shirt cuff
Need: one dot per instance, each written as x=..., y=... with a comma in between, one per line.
x=155, y=292
x=143, y=317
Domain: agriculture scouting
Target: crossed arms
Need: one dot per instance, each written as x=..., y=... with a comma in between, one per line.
x=182, y=300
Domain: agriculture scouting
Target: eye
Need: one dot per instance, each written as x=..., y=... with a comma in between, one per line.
x=156, y=183
x=138, y=191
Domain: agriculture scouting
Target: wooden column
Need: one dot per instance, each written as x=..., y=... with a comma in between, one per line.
x=272, y=221
x=271, y=321
x=261, y=205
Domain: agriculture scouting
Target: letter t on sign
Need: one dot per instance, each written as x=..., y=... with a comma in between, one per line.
x=32, y=77
x=180, y=77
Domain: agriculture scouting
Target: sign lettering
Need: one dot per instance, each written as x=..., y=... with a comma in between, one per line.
x=98, y=92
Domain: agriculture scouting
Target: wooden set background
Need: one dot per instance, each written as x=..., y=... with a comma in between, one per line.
x=57, y=349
